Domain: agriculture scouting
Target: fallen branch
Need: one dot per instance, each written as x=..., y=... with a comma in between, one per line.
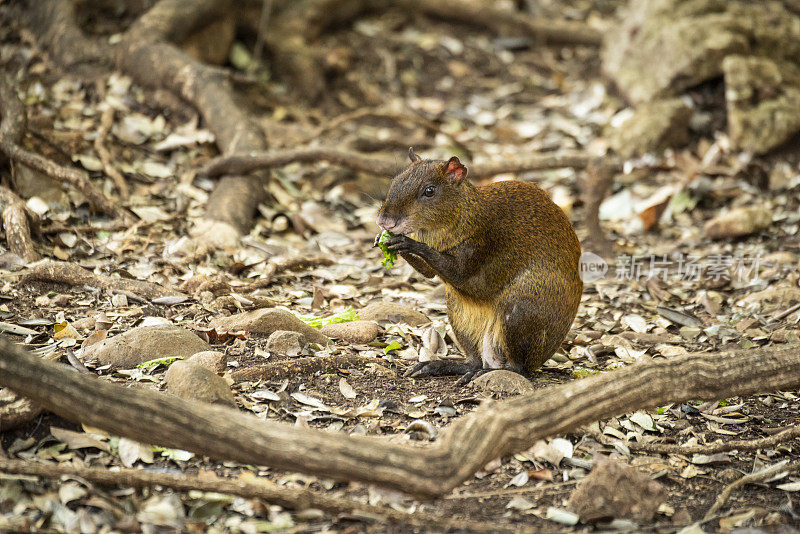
x=491, y=431
x=243, y=163
x=713, y=448
x=73, y=275
x=300, y=367
x=295, y=499
x=752, y=478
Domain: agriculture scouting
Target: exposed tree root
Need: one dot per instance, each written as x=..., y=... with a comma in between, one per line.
x=300, y=367
x=752, y=478
x=76, y=178
x=713, y=448
x=491, y=431
x=295, y=499
x=244, y=163
x=74, y=275
x=144, y=53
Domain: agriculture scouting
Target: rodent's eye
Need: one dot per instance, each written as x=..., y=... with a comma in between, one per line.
x=429, y=191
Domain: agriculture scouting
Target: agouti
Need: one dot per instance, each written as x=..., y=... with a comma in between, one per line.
x=508, y=257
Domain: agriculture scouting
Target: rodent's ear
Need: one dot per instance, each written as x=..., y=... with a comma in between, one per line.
x=455, y=170
x=412, y=155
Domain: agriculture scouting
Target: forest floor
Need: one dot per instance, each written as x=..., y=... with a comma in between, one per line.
x=668, y=290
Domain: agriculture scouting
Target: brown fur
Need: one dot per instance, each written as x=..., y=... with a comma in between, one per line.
x=510, y=256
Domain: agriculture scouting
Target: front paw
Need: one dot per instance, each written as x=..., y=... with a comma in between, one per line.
x=403, y=245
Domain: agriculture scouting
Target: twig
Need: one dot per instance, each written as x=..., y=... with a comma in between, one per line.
x=713, y=448
x=106, y=120
x=752, y=478
x=296, y=499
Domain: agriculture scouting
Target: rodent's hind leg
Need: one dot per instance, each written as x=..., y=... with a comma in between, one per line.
x=525, y=336
x=442, y=368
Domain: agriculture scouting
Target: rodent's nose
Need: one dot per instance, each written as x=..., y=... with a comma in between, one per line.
x=386, y=222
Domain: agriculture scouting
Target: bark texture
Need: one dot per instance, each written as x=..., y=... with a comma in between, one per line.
x=491, y=431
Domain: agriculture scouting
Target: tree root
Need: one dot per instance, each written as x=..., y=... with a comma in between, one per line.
x=74, y=275
x=752, y=478
x=244, y=163
x=713, y=448
x=491, y=431
x=295, y=499
x=144, y=54
x=299, y=367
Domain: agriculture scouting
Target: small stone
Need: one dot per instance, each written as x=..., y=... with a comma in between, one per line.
x=393, y=312
x=142, y=344
x=212, y=360
x=267, y=321
x=286, y=342
x=616, y=490
x=194, y=382
x=353, y=332
x=503, y=381
x=739, y=222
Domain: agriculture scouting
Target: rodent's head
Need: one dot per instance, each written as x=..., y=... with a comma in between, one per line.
x=426, y=195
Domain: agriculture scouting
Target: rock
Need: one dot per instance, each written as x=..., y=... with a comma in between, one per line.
x=618, y=491
x=738, y=222
x=286, y=342
x=213, y=360
x=195, y=382
x=663, y=47
x=763, y=99
x=353, y=332
x=393, y=312
x=142, y=344
x=505, y=382
x=267, y=321
x=652, y=128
